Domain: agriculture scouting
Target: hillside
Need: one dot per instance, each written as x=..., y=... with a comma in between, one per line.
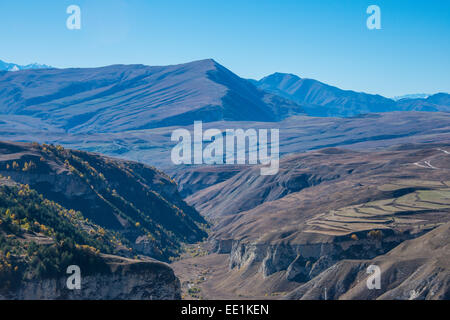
x=39, y=239
x=138, y=202
x=273, y=234
x=130, y=111
x=416, y=269
x=320, y=99
x=320, y=172
x=121, y=98
x=436, y=102
x=130, y=97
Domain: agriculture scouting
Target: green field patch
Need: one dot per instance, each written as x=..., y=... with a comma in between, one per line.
x=407, y=200
x=325, y=227
x=391, y=209
x=390, y=187
x=380, y=203
x=327, y=232
x=382, y=213
x=407, y=221
x=356, y=220
x=347, y=212
x=373, y=210
x=438, y=196
x=431, y=205
x=403, y=208
x=419, y=183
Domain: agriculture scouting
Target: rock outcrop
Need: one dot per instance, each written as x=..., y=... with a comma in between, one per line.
x=126, y=279
x=416, y=269
x=304, y=261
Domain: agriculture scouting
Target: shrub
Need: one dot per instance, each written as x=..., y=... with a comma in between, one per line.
x=375, y=234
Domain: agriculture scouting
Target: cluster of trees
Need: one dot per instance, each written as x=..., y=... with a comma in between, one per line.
x=74, y=240
x=50, y=261
x=9, y=267
x=24, y=210
x=89, y=169
x=372, y=234
x=132, y=191
x=375, y=234
x=27, y=166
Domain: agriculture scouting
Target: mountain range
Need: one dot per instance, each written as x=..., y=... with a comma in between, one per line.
x=322, y=100
x=122, y=97
x=134, y=97
x=412, y=96
x=131, y=110
x=5, y=66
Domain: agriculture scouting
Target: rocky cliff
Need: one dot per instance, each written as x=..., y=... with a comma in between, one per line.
x=303, y=261
x=416, y=269
x=125, y=279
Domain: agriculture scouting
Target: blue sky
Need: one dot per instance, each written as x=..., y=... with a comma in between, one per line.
x=321, y=39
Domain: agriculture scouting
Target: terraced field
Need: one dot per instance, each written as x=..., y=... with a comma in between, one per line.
x=412, y=208
x=349, y=208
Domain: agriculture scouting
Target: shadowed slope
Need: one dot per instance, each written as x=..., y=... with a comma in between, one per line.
x=416, y=269
x=320, y=99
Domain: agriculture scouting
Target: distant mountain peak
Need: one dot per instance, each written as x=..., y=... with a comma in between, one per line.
x=206, y=63
x=412, y=96
x=7, y=66
x=280, y=75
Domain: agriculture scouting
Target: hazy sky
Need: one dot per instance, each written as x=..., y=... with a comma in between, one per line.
x=321, y=39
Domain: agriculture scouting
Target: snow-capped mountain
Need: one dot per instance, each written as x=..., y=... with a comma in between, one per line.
x=5, y=66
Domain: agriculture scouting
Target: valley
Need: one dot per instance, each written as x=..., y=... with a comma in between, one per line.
x=325, y=212
x=327, y=215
